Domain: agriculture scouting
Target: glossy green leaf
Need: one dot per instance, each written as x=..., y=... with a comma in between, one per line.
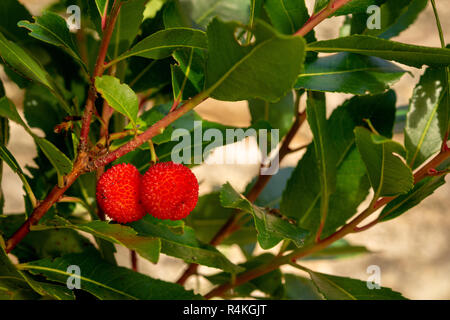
x=397, y=16
x=428, y=117
x=161, y=44
x=20, y=61
x=300, y=288
x=388, y=174
x=108, y=282
x=58, y=159
x=411, y=55
x=403, y=203
x=188, y=76
x=11, y=12
x=52, y=28
x=119, y=96
x=51, y=243
x=144, y=74
x=287, y=16
x=147, y=247
x=127, y=26
x=241, y=72
x=101, y=4
x=349, y=73
x=183, y=245
x=24, y=282
x=324, y=150
x=199, y=13
x=271, y=228
x=354, y=6
x=341, y=288
x=301, y=195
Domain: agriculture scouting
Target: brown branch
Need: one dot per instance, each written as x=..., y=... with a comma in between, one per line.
x=44, y=206
x=346, y=229
x=82, y=160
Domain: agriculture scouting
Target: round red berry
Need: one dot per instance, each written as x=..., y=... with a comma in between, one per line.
x=118, y=193
x=169, y=191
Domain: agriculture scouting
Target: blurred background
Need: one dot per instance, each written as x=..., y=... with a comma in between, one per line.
x=413, y=251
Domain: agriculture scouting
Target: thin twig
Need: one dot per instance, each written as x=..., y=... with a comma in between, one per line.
x=317, y=18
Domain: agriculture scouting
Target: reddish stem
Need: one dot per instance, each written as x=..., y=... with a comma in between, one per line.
x=320, y=16
x=98, y=71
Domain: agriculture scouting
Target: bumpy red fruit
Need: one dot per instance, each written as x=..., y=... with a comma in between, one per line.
x=169, y=191
x=118, y=193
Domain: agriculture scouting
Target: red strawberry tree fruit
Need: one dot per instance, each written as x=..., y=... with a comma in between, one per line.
x=108, y=94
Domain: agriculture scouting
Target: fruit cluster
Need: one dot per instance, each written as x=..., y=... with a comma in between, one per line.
x=166, y=191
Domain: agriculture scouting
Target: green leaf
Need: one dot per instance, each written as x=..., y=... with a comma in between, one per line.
x=397, y=16
x=108, y=282
x=428, y=117
x=59, y=160
x=354, y=6
x=301, y=195
x=161, y=44
x=22, y=62
x=269, y=283
x=341, y=288
x=9, y=272
x=188, y=76
x=101, y=4
x=278, y=114
x=127, y=26
x=299, y=288
x=42, y=244
x=349, y=73
x=287, y=16
x=199, y=13
x=119, y=96
x=52, y=28
x=323, y=148
x=183, y=245
x=144, y=74
x=403, y=203
x=147, y=247
x=411, y=55
x=388, y=174
x=242, y=72
x=8, y=110
x=271, y=228
x=11, y=12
